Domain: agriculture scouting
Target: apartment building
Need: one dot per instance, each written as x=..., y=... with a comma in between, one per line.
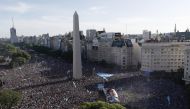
x=163, y=56
x=187, y=65
x=117, y=52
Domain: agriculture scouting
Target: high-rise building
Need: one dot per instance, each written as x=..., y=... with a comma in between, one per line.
x=13, y=36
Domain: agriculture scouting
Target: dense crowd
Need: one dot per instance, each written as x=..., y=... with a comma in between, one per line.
x=138, y=92
x=45, y=83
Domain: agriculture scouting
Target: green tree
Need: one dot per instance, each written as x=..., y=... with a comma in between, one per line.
x=9, y=98
x=100, y=105
x=19, y=57
x=21, y=53
x=10, y=48
x=17, y=61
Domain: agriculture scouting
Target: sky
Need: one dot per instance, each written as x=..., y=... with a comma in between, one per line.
x=35, y=17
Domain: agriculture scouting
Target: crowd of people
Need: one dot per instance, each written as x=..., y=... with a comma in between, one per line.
x=140, y=91
x=45, y=83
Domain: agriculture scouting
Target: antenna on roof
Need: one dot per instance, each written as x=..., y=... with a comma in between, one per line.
x=12, y=22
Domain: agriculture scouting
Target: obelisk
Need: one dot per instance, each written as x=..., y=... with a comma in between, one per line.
x=77, y=66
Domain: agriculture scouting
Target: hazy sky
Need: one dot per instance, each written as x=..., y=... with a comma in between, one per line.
x=34, y=17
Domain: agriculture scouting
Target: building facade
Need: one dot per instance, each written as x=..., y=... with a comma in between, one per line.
x=13, y=37
x=167, y=57
x=45, y=40
x=146, y=35
x=90, y=34
x=31, y=40
x=118, y=52
x=187, y=65
x=55, y=42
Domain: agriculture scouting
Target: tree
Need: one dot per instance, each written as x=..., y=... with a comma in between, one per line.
x=17, y=61
x=100, y=105
x=21, y=53
x=10, y=48
x=19, y=58
x=9, y=98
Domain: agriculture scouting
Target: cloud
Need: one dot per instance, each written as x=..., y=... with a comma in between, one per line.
x=39, y=26
x=98, y=9
x=56, y=18
x=133, y=20
x=20, y=7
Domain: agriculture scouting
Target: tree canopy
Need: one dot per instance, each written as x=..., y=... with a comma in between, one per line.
x=100, y=105
x=9, y=98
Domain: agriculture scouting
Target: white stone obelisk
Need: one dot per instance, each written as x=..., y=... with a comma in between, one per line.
x=77, y=66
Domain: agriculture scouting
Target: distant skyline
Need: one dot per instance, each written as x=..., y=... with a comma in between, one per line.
x=36, y=17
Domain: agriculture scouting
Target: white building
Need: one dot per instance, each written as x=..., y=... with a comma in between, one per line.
x=117, y=52
x=90, y=34
x=187, y=66
x=146, y=35
x=163, y=56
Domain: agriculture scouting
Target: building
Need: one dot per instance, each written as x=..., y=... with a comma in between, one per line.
x=45, y=40
x=55, y=42
x=13, y=37
x=146, y=35
x=111, y=50
x=31, y=40
x=181, y=36
x=187, y=66
x=121, y=53
x=109, y=35
x=90, y=34
x=136, y=53
x=20, y=39
x=65, y=44
x=167, y=57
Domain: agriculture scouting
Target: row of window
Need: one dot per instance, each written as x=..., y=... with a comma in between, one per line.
x=174, y=67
